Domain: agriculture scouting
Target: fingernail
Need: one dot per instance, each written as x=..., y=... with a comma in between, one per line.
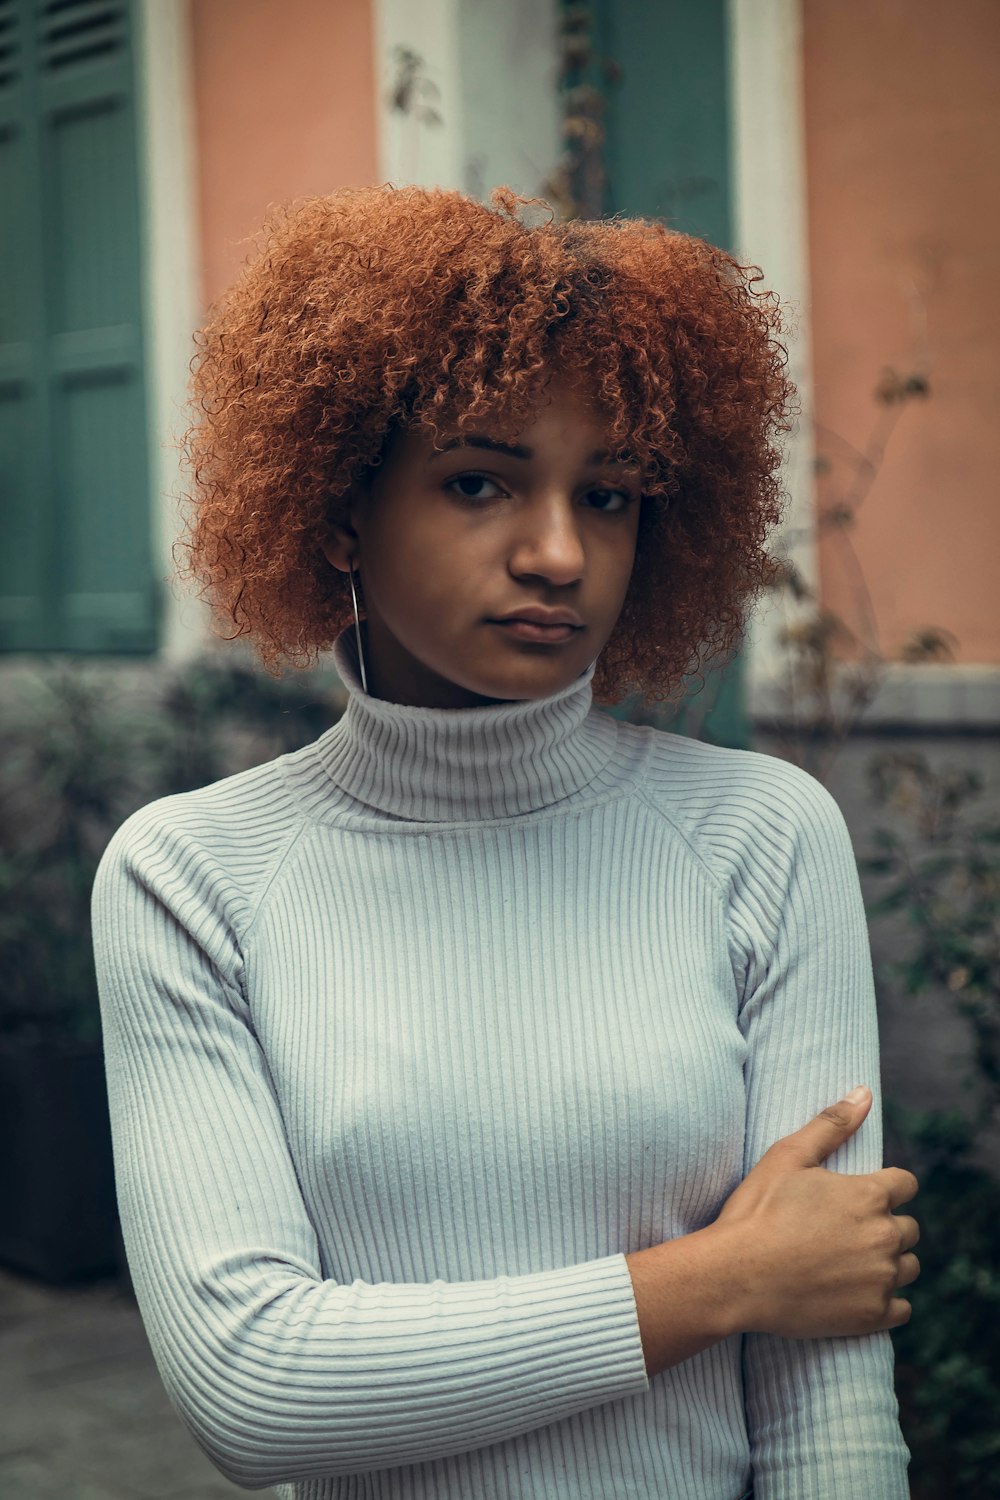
x=856, y=1096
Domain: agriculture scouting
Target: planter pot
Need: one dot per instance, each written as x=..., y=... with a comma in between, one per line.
x=58, y=1214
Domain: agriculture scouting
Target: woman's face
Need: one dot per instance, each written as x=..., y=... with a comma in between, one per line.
x=449, y=538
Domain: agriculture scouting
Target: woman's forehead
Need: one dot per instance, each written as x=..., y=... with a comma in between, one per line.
x=557, y=396
x=545, y=427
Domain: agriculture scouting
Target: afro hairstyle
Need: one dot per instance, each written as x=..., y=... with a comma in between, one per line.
x=380, y=308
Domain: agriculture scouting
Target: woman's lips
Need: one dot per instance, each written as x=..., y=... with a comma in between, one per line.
x=527, y=630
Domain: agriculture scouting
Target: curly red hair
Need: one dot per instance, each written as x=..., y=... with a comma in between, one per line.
x=376, y=308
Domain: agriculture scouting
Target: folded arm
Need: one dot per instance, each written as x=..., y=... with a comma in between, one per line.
x=279, y=1372
x=822, y=1413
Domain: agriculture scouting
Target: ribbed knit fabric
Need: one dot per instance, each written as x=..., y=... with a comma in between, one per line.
x=413, y=1034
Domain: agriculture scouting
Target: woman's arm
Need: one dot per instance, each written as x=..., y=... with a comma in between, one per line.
x=280, y=1373
x=796, y=1250
x=822, y=1413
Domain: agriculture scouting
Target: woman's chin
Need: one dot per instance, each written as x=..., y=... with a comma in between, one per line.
x=510, y=670
x=536, y=680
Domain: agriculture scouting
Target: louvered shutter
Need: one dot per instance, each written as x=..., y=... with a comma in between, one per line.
x=75, y=569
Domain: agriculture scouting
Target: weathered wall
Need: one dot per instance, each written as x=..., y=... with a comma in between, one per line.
x=902, y=118
x=284, y=107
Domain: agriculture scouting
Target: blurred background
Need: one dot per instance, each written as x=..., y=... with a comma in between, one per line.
x=850, y=151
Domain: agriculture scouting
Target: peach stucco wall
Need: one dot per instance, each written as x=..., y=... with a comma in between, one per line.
x=902, y=117
x=284, y=108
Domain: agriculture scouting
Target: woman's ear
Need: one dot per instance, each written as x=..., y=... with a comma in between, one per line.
x=341, y=545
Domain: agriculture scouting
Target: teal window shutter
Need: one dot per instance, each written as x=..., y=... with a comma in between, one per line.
x=75, y=565
x=667, y=156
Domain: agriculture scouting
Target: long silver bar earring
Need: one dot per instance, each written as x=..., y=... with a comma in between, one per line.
x=357, y=632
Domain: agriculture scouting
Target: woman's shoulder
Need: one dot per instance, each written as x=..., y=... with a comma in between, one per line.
x=678, y=764
x=736, y=805
x=231, y=831
x=248, y=798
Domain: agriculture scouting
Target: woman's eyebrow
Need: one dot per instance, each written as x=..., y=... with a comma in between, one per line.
x=479, y=440
x=513, y=450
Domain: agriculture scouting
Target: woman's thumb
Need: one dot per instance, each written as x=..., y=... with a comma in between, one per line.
x=831, y=1127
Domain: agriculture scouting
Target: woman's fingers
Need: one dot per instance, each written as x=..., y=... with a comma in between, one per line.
x=900, y=1184
x=909, y=1231
x=899, y=1313
x=909, y=1269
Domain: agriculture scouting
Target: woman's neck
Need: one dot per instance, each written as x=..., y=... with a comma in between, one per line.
x=456, y=764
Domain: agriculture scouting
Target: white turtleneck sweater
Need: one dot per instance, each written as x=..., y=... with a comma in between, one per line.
x=413, y=1034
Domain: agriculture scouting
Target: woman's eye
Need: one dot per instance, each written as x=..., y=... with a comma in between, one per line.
x=471, y=486
x=481, y=487
x=623, y=497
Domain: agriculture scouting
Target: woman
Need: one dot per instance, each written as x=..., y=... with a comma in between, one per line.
x=470, y=1069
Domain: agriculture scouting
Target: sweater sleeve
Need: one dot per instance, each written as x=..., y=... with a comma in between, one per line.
x=278, y=1372
x=822, y=1413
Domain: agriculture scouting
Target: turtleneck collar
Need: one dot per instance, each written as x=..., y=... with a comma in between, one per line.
x=443, y=765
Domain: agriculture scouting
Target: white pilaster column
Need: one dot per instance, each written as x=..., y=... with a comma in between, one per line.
x=167, y=171
x=771, y=231
x=493, y=72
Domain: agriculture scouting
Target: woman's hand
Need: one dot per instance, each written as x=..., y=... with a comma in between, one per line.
x=797, y=1251
x=818, y=1253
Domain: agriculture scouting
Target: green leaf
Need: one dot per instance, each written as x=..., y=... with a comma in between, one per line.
x=891, y=901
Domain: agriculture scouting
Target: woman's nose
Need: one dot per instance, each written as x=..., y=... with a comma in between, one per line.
x=548, y=542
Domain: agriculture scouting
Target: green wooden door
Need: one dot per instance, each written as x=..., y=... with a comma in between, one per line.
x=75, y=564
x=667, y=156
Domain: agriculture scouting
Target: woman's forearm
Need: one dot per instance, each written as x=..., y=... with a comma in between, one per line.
x=797, y=1250
x=685, y=1296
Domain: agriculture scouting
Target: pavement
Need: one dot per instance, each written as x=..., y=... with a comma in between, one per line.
x=83, y=1413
